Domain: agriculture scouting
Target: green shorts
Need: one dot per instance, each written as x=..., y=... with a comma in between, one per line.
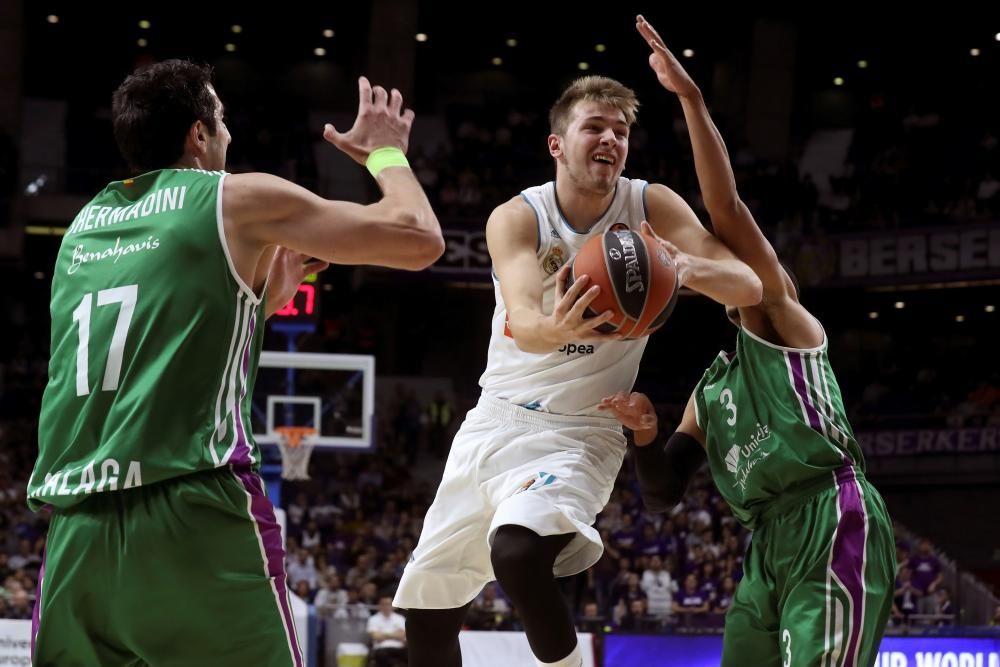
x=818, y=582
x=184, y=573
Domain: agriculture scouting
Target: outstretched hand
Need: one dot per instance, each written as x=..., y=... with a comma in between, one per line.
x=668, y=69
x=381, y=122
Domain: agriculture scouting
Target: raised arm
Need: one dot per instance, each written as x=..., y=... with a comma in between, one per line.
x=703, y=263
x=399, y=231
x=731, y=219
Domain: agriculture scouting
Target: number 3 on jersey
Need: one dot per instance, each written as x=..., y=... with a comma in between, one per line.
x=126, y=296
x=726, y=398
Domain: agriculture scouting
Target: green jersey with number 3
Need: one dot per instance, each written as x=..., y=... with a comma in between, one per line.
x=774, y=423
x=155, y=341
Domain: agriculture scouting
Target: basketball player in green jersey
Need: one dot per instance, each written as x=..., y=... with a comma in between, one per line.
x=162, y=547
x=818, y=575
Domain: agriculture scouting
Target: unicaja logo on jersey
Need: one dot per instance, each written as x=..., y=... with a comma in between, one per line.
x=733, y=459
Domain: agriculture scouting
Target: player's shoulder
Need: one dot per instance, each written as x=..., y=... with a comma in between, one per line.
x=661, y=196
x=516, y=210
x=256, y=195
x=256, y=182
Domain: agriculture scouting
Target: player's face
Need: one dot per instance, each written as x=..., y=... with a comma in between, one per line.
x=594, y=147
x=215, y=155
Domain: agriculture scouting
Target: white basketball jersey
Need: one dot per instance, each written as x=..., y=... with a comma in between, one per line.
x=573, y=379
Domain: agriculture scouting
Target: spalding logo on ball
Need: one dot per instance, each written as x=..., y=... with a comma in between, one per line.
x=638, y=281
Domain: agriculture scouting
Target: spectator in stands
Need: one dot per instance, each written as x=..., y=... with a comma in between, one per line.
x=650, y=543
x=635, y=618
x=362, y=571
x=695, y=559
x=25, y=558
x=331, y=596
x=368, y=595
x=619, y=583
x=709, y=580
x=311, y=537
x=902, y=555
x=668, y=539
x=354, y=609
x=944, y=608
x=387, y=631
x=387, y=578
x=489, y=610
x=927, y=575
x=626, y=538
x=297, y=511
x=633, y=590
x=725, y=597
x=591, y=619
x=690, y=603
x=303, y=590
x=659, y=588
x=906, y=597
x=301, y=568
x=21, y=605
x=711, y=549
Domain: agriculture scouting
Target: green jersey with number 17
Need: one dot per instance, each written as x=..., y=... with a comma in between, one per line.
x=155, y=341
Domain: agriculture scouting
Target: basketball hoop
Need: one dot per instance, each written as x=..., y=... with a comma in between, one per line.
x=295, y=450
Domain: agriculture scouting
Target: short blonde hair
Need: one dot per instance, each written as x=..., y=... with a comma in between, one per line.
x=599, y=89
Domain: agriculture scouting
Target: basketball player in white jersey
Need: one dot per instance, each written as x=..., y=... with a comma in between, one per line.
x=535, y=460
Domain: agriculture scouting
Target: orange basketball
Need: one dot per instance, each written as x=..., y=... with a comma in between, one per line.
x=638, y=281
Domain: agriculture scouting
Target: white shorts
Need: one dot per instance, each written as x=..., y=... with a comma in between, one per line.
x=510, y=465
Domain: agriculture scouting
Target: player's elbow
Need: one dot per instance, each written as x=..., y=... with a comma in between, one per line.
x=527, y=343
x=754, y=289
x=423, y=243
x=725, y=209
x=745, y=289
x=428, y=246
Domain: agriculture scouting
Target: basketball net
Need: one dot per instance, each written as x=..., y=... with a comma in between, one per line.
x=295, y=451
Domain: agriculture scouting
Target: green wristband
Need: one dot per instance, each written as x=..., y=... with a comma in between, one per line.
x=387, y=156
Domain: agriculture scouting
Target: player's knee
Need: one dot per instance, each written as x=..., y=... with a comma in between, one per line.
x=434, y=628
x=516, y=551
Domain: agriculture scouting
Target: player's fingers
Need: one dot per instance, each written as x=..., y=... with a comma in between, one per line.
x=588, y=330
x=580, y=304
x=379, y=98
x=395, y=102
x=364, y=94
x=649, y=34
x=572, y=295
x=561, y=277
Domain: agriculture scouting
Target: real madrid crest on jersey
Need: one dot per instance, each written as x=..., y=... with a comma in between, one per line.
x=553, y=260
